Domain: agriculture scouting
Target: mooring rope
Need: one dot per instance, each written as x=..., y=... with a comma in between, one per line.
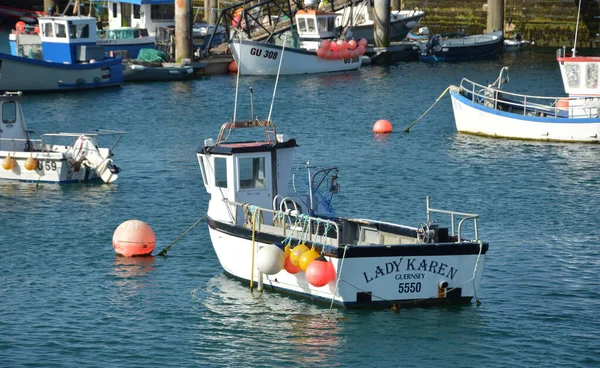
x=337, y=281
x=430, y=107
x=164, y=251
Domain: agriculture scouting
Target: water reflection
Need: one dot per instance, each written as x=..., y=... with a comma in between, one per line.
x=268, y=327
x=131, y=276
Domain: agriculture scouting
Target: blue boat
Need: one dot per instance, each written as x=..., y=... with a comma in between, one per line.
x=461, y=48
x=62, y=55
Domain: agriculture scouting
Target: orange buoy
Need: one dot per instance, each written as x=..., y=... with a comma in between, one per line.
x=8, y=162
x=30, y=163
x=320, y=272
x=233, y=68
x=134, y=238
x=382, y=126
x=289, y=266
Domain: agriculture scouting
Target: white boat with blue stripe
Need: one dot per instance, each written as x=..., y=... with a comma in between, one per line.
x=487, y=110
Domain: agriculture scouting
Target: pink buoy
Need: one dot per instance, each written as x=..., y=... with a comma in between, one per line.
x=382, y=126
x=361, y=50
x=321, y=52
x=363, y=42
x=233, y=68
x=334, y=46
x=320, y=272
x=347, y=54
x=326, y=44
x=329, y=54
x=352, y=45
x=134, y=238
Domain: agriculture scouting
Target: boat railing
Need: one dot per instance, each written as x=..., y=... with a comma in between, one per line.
x=290, y=223
x=528, y=104
x=9, y=144
x=456, y=229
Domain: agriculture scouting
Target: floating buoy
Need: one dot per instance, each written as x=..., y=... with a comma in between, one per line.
x=382, y=126
x=270, y=259
x=233, y=68
x=8, y=163
x=352, y=45
x=30, y=163
x=307, y=257
x=363, y=42
x=320, y=272
x=296, y=253
x=289, y=266
x=134, y=238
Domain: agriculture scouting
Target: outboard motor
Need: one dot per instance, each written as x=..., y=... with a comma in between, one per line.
x=433, y=42
x=84, y=151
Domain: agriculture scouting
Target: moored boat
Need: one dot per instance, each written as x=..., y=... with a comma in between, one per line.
x=66, y=57
x=48, y=158
x=488, y=110
x=461, y=48
x=274, y=239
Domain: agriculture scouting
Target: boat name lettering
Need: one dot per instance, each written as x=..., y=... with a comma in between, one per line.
x=412, y=264
x=48, y=165
x=431, y=266
x=267, y=55
x=351, y=60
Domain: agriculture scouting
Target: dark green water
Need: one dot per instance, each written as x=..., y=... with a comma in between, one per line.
x=66, y=300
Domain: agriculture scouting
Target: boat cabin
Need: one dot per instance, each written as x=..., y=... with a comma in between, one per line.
x=143, y=15
x=69, y=39
x=314, y=26
x=13, y=132
x=245, y=172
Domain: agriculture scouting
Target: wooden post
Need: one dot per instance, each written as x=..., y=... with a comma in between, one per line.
x=183, y=30
x=495, y=15
x=382, y=23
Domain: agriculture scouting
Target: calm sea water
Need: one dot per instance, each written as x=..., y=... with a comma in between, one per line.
x=66, y=300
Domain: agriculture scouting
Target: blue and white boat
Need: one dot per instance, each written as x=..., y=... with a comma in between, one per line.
x=487, y=110
x=67, y=57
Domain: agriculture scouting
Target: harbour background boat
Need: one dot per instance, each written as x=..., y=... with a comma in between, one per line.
x=68, y=301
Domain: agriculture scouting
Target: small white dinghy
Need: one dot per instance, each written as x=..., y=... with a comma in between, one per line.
x=48, y=159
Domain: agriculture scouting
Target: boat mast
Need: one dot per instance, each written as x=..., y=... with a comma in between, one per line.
x=576, y=29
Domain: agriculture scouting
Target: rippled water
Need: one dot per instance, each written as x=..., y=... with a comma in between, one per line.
x=66, y=300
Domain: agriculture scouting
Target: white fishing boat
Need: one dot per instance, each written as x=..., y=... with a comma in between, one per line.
x=64, y=56
x=462, y=47
x=359, y=17
x=48, y=158
x=299, y=56
x=488, y=110
x=516, y=43
x=275, y=239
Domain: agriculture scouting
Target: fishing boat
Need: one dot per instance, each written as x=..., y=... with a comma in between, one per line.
x=421, y=35
x=302, y=55
x=471, y=47
x=134, y=71
x=48, y=159
x=277, y=239
x=580, y=74
x=359, y=17
x=488, y=110
x=63, y=56
x=516, y=43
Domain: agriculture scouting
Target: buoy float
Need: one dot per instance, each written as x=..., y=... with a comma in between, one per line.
x=289, y=266
x=270, y=259
x=233, y=68
x=320, y=272
x=8, y=163
x=30, y=163
x=134, y=238
x=382, y=126
x=307, y=257
x=296, y=253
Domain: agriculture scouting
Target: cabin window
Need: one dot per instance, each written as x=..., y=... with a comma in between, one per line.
x=47, y=30
x=301, y=24
x=252, y=172
x=203, y=171
x=72, y=30
x=323, y=24
x=162, y=12
x=221, y=172
x=592, y=76
x=310, y=23
x=9, y=112
x=61, y=30
x=114, y=10
x=136, y=11
x=84, y=31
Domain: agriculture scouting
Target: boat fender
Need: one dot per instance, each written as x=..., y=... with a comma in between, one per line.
x=442, y=289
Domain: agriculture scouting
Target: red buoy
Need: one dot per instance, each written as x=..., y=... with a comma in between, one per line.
x=233, y=68
x=289, y=266
x=320, y=272
x=382, y=126
x=134, y=238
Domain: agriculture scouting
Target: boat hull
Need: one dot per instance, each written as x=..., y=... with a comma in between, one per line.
x=257, y=58
x=467, y=48
x=133, y=72
x=367, y=278
x=44, y=76
x=479, y=119
x=132, y=46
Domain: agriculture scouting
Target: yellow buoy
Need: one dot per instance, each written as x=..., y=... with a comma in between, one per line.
x=30, y=163
x=296, y=253
x=308, y=257
x=8, y=163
